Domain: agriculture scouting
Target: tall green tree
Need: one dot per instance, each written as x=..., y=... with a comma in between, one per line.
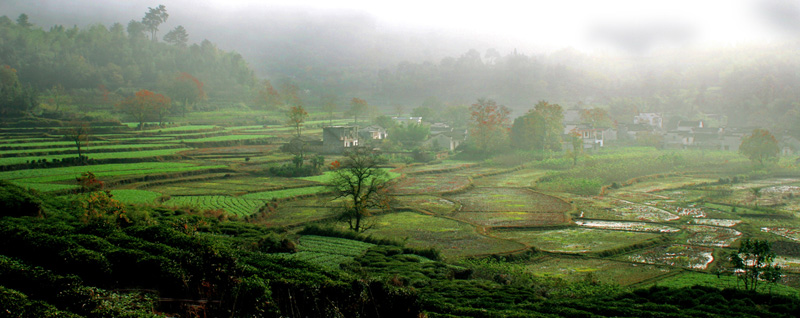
x=760, y=146
x=153, y=18
x=177, y=36
x=22, y=21
x=15, y=99
x=539, y=129
x=410, y=135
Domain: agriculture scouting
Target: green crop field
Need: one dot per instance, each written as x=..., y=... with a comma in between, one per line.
x=132, y=196
x=37, y=178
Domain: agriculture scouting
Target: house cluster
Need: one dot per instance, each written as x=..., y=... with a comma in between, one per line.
x=593, y=137
x=696, y=134
x=337, y=139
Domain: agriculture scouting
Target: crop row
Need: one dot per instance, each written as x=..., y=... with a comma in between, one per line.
x=98, y=156
x=143, y=167
x=106, y=174
x=86, y=149
x=231, y=205
x=286, y=193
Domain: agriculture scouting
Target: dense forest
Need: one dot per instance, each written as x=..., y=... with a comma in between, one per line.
x=119, y=60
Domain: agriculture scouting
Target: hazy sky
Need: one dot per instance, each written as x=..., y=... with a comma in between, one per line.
x=632, y=26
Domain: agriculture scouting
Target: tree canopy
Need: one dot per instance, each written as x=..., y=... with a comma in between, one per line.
x=760, y=146
x=488, y=126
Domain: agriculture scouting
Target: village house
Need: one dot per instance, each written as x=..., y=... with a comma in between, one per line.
x=337, y=139
x=448, y=140
x=372, y=132
x=594, y=137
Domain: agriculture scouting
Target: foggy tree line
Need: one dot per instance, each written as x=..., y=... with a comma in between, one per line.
x=120, y=59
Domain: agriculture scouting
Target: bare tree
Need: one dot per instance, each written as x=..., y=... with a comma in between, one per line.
x=361, y=185
x=78, y=132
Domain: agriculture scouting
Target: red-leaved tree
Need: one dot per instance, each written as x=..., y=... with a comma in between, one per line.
x=145, y=105
x=488, y=130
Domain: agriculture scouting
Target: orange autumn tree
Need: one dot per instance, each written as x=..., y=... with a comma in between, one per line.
x=188, y=90
x=297, y=116
x=489, y=125
x=268, y=96
x=146, y=104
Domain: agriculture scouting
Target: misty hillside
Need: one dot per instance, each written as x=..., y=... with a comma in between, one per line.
x=347, y=56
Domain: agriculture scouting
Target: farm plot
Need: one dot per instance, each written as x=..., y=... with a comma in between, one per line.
x=787, y=232
x=510, y=207
x=608, y=271
x=575, y=240
x=428, y=203
x=509, y=199
x=675, y=255
x=765, y=183
x=705, y=235
x=788, y=263
x=236, y=206
x=691, y=211
x=455, y=239
x=327, y=252
x=662, y=184
x=289, y=213
x=627, y=210
x=627, y=226
x=522, y=179
x=437, y=168
x=97, y=156
x=717, y=222
x=104, y=172
x=430, y=183
x=229, y=186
